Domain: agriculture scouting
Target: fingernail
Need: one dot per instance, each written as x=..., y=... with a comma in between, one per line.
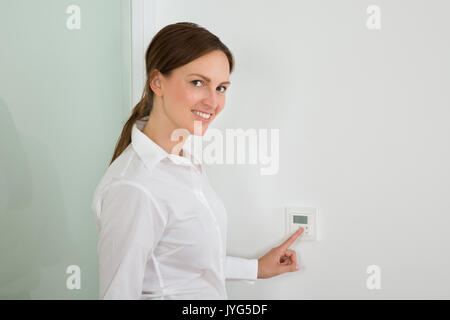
x=297, y=267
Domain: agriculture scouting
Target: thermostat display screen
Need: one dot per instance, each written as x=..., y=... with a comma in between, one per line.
x=301, y=219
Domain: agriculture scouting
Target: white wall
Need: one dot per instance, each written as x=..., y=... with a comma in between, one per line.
x=364, y=136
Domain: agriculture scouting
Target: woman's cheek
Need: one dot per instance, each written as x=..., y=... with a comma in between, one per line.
x=188, y=97
x=221, y=107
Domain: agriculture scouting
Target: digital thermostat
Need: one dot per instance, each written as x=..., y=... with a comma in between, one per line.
x=306, y=217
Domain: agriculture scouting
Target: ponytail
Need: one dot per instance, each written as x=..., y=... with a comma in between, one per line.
x=142, y=109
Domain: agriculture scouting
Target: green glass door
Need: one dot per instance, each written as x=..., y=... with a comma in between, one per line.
x=64, y=97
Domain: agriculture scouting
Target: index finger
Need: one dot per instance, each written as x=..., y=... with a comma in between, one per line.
x=292, y=238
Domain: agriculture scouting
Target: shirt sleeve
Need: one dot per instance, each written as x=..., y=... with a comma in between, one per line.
x=130, y=227
x=241, y=268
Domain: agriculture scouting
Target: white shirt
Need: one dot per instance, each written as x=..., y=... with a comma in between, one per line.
x=162, y=228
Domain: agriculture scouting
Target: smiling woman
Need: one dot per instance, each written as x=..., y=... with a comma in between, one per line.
x=162, y=228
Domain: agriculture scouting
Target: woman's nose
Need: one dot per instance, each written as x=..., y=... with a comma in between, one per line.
x=211, y=99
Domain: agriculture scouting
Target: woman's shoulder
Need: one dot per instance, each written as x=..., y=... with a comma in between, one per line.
x=126, y=170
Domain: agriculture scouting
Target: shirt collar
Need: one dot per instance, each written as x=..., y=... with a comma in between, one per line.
x=151, y=153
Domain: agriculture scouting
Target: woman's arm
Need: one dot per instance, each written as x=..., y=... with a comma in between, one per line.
x=130, y=227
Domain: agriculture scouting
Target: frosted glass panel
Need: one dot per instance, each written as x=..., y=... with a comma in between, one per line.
x=64, y=97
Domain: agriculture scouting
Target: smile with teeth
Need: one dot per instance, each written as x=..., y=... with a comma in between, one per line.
x=202, y=114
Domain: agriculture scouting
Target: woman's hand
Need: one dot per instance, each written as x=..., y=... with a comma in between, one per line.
x=279, y=259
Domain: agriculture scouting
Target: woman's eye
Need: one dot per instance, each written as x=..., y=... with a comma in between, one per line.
x=195, y=81
x=224, y=88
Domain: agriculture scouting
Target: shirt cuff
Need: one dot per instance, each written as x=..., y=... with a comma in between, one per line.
x=241, y=269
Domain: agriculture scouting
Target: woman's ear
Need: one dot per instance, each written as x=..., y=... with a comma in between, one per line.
x=155, y=83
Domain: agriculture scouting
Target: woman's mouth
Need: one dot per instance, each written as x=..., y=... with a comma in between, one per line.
x=202, y=115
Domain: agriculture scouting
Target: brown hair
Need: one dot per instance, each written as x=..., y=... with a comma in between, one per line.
x=173, y=46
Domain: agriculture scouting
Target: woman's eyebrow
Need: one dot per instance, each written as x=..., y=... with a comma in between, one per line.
x=206, y=78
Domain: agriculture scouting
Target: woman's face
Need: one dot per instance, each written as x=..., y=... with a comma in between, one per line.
x=197, y=86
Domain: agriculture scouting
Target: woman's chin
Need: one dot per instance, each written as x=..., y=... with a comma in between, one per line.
x=202, y=133
x=198, y=130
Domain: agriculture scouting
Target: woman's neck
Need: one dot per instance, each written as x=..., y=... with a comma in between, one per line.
x=159, y=129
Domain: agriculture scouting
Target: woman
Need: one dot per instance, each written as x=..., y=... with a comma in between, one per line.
x=162, y=228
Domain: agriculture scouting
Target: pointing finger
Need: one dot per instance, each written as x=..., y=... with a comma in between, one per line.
x=291, y=239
